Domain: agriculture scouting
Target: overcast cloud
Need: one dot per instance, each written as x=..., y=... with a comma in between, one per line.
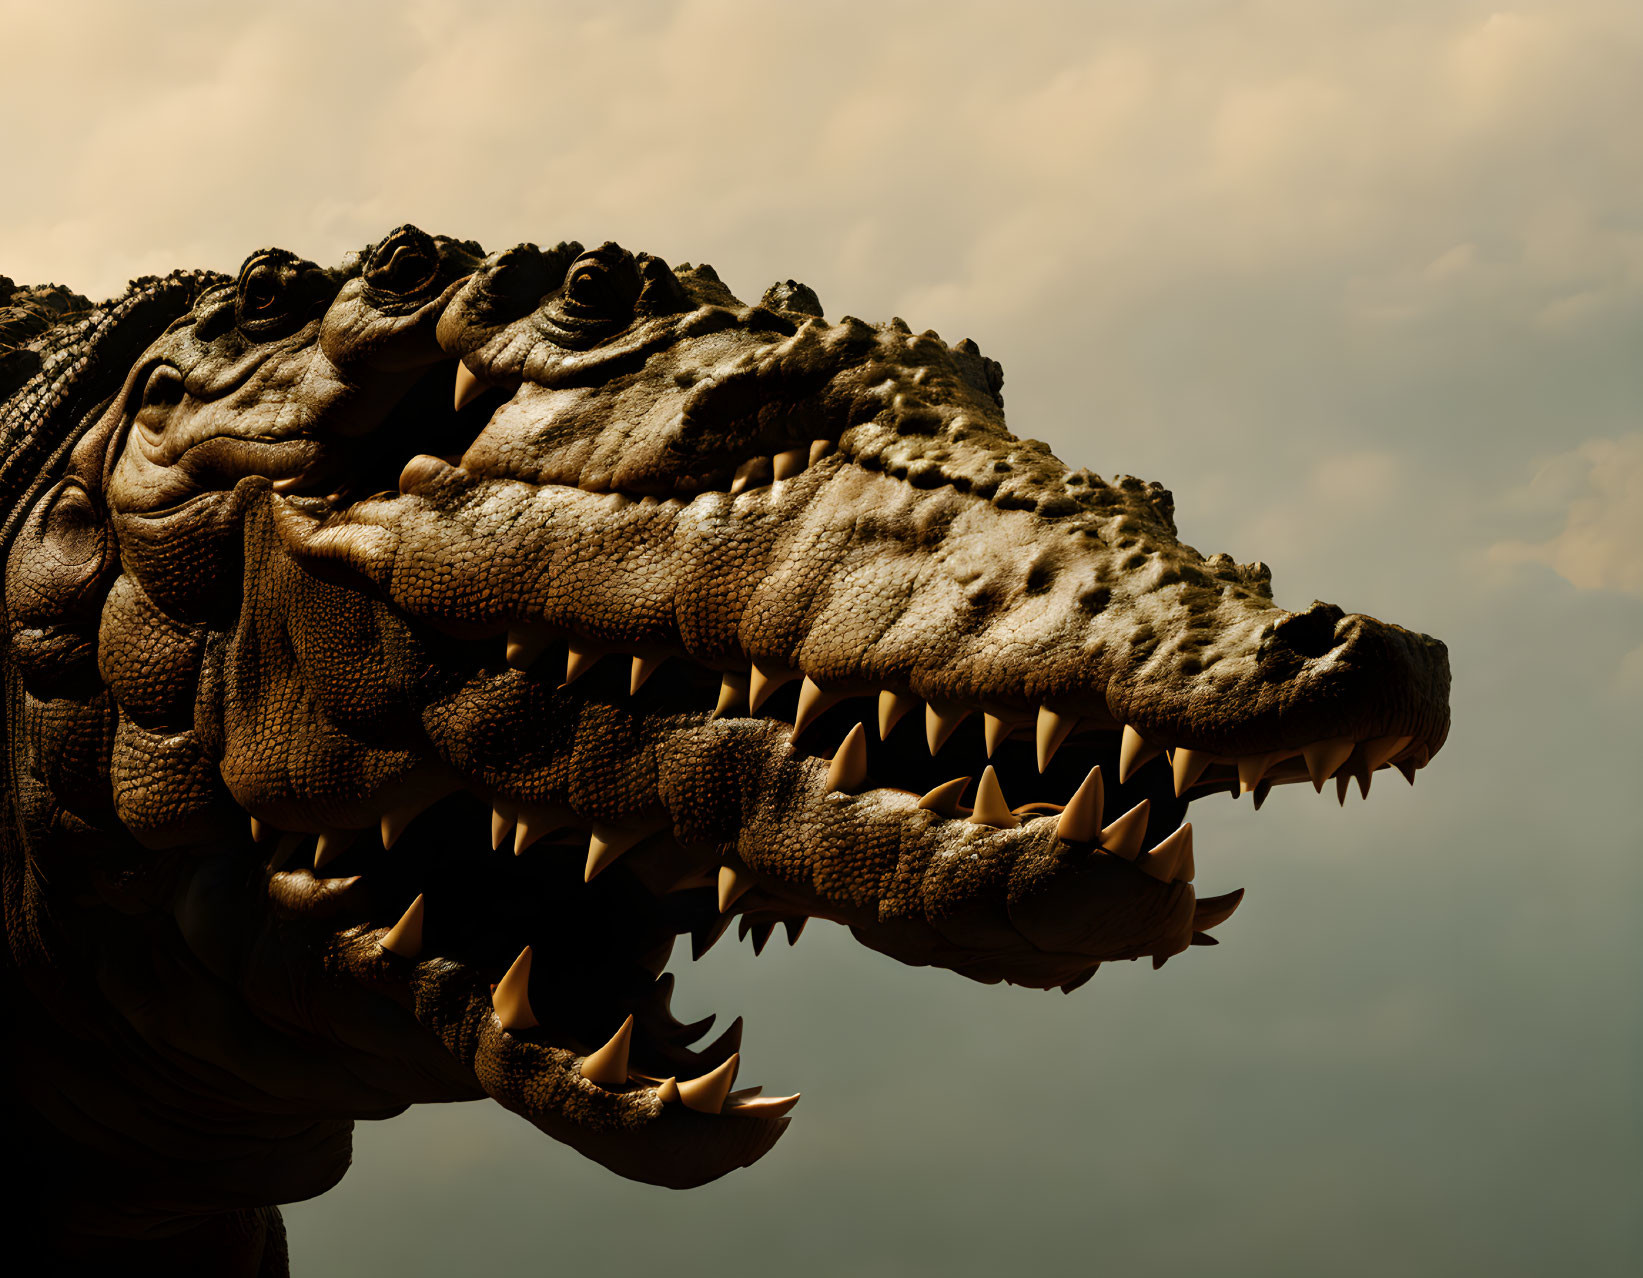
x=1600, y=484
x=1361, y=282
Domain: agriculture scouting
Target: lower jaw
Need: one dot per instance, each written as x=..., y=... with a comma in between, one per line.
x=634, y=1127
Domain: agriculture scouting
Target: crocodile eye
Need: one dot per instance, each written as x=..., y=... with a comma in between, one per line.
x=277, y=292
x=586, y=287
x=261, y=289
x=600, y=287
x=404, y=263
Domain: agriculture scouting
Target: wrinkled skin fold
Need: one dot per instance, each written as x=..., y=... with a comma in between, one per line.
x=402, y=658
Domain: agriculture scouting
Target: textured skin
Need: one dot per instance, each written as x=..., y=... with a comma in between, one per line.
x=256, y=563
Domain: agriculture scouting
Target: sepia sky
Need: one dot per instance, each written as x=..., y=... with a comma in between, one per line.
x=1362, y=283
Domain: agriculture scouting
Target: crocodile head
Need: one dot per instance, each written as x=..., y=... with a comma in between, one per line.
x=547, y=608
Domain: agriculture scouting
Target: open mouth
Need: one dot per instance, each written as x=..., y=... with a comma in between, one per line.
x=603, y=795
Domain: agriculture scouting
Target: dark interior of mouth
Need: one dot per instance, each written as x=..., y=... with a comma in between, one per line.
x=598, y=947
x=422, y=421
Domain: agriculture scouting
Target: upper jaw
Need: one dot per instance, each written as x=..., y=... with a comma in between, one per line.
x=891, y=535
x=992, y=619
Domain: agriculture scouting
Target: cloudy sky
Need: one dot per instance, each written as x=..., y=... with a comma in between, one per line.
x=1361, y=282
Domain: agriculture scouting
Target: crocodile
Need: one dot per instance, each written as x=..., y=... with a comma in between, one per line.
x=401, y=657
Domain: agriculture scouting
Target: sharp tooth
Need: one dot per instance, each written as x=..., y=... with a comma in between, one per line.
x=766, y=677
x=1407, y=767
x=668, y=1090
x=579, y=659
x=1124, y=836
x=609, y=1065
x=503, y=817
x=1202, y=938
x=750, y=474
x=1323, y=757
x=813, y=703
x=733, y=885
x=1364, y=775
x=606, y=844
x=707, y=1094
x=794, y=928
x=1133, y=753
x=524, y=647
x=944, y=798
x=1212, y=911
x=848, y=770
x=1158, y=960
x=1171, y=859
x=1053, y=728
x=1080, y=820
x=1380, y=750
x=732, y=695
x=940, y=720
x=761, y=936
x=396, y=821
x=422, y=469
x=1261, y=791
x=1343, y=782
x=1081, y=979
x=705, y=936
x=468, y=387
x=259, y=831
x=643, y=668
x=332, y=844
x=819, y=448
x=994, y=730
x=892, y=706
x=763, y=1106
x=405, y=937
x=511, y=997
x=991, y=809
x=1251, y=768
x=531, y=828
x=790, y=463
x=1189, y=765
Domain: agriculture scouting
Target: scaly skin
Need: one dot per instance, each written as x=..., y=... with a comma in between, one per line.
x=589, y=650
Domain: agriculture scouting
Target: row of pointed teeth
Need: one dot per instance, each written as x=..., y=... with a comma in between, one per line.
x=1344, y=758
x=1080, y=821
x=758, y=471
x=709, y=1093
x=523, y=828
x=1052, y=728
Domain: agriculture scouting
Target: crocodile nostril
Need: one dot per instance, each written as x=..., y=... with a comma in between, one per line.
x=1310, y=633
